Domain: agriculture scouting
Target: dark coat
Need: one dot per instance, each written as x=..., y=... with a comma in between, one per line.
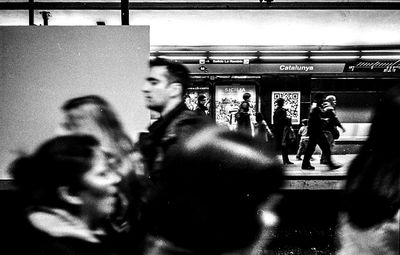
x=35, y=242
x=164, y=135
x=316, y=123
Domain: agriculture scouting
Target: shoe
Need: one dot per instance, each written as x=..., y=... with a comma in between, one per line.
x=333, y=166
x=324, y=162
x=288, y=163
x=298, y=158
x=309, y=167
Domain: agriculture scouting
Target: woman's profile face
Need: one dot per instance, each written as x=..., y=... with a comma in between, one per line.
x=100, y=191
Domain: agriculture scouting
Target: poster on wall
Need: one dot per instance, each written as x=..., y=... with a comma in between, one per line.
x=192, y=95
x=227, y=102
x=190, y=99
x=292, y=104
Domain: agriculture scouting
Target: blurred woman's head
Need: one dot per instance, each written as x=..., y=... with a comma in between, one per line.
x=68, y=172
x=93, y=115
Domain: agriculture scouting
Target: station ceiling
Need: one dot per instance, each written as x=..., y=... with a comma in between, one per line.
x=309, y=25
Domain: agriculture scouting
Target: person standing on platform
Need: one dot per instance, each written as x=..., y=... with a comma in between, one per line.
x=303, y=138
x=330, y=129
x=201, y=108
x=243, y=119
x=369, y=219
x=281, y=124
x=163, y=92
x=316, y=135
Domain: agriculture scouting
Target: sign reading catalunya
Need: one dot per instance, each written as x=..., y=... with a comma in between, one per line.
x=302, y=68
x=228, y=68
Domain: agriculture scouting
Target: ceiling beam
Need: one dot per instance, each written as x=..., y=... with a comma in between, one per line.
x=256, y=5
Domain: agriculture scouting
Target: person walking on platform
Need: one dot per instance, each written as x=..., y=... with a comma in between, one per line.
x=332, y=123
x=163, y=92
x=316, y=135
x=281, y=124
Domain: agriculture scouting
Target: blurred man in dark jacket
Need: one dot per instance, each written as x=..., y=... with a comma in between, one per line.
x=204, y=185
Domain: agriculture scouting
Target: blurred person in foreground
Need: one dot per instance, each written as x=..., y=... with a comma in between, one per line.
x=370, y=217
x=219, y=195
x=93, y=115
x=68, y=191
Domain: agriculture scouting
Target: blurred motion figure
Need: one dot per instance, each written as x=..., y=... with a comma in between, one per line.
x=93, y=115
x=370, y=217
x=217, y=185
x=68, y=192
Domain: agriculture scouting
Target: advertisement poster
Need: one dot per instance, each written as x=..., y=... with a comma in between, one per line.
x=227, y=102
x=292, y=104
x=192, y=95
x=190, y=100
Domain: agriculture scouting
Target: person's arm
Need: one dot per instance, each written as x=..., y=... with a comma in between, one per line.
x=269, y=132
x=337, y=121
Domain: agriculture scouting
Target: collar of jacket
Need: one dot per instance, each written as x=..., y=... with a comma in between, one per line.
x=60, y=223
x=158, y=127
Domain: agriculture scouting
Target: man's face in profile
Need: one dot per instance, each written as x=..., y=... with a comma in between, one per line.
x=156, y=89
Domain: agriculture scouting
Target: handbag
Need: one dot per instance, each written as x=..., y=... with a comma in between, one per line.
x=335, y=133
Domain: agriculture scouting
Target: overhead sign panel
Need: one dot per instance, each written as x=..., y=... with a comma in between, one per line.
x=297, y=68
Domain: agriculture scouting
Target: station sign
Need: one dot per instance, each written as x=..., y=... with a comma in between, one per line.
x=225, y=61
x=299, y=68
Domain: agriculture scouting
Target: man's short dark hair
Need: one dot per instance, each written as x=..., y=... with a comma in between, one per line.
x=280, y=101
x=246, y=96
x=177, y=72
x=201, y=97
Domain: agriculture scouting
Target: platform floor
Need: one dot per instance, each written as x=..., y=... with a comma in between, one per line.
x=320, y=178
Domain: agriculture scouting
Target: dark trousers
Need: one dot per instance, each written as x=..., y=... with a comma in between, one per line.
x=283, y=148
x=322, y=142
x=285, y=153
